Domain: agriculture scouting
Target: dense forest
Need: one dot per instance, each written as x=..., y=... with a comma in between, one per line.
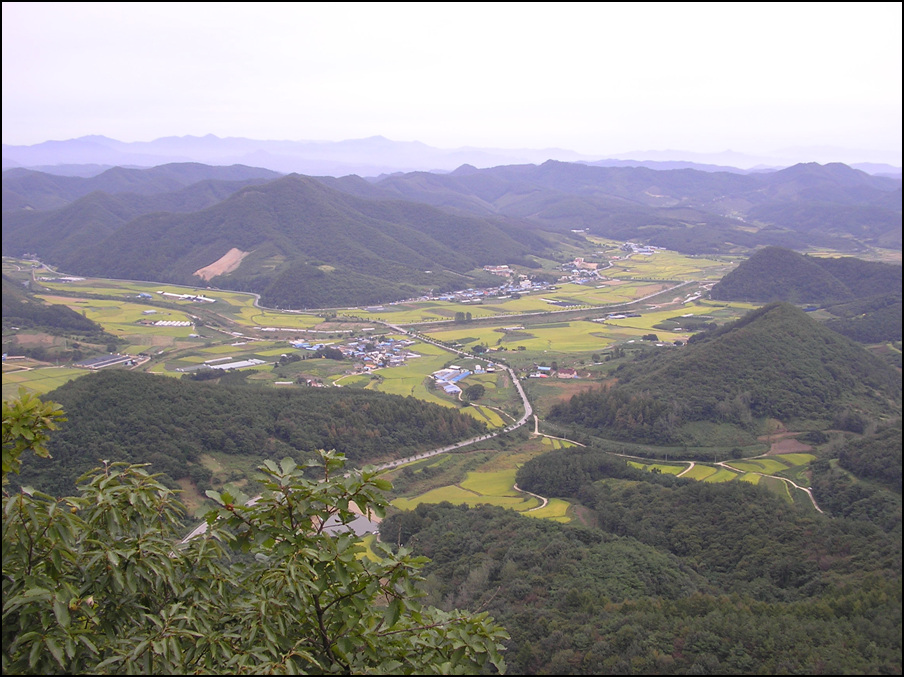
x=774, y=362
x=119, y=415
x=667, y=576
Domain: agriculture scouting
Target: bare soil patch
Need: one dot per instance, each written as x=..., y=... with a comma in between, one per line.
x=784, y=443
x=38, y=339
x=225, y=264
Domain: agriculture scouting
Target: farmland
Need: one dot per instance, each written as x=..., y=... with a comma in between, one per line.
x=772, y=471
x=570, y=325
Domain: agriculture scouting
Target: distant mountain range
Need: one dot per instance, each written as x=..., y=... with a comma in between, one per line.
x=326, y=241
x=375, y=156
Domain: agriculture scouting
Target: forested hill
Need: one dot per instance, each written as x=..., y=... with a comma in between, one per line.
x=777, y=274
x=307, y=245
x=774, y=362
x=77, y=227
x=667, y=576
x=120, y=415
x=864, y=296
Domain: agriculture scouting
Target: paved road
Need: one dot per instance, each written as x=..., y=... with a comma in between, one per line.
x=528, y=412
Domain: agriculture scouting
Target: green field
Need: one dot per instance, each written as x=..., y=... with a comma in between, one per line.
x=38, y=381
x=700, y=472
x=750, y=470
x=767, y=466
x=668, y=265
x=461, y=496
x=579, y=336
x=556, y=510
x=722, y=475
x=664, y=468
x=492, y=484
x=485, y=414
x=556, y=443
x=489, y=488
x=123, y=318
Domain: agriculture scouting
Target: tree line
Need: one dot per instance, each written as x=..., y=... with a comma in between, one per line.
x=121, y=415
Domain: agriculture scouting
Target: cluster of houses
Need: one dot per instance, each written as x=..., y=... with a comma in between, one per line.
x=448, y=378
x=368, y=353
x=521, y=285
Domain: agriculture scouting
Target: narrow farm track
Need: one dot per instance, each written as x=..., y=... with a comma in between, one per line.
x=784, y=479
x=687, y=469
x=543, y=500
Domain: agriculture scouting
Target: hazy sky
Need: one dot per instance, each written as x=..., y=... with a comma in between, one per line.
x=597, y=78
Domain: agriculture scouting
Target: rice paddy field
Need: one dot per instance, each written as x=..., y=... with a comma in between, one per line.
x=669, y=265
x=480, y=478
x=38, y=379
x=629, y=279
x=485, y=414
x=578, y=336
x=236, y=306
x=772, y=472
x=124, y=318
x=490, y=488
x=556, y=443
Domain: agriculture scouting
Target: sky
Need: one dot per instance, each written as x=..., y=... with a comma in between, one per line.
x=596, y=78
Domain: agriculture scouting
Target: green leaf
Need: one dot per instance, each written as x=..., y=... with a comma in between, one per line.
x=393, y=611
x=55, y=649
x=61, y=611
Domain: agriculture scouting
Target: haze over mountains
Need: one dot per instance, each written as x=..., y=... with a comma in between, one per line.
x=370, y=157
x=312, y=242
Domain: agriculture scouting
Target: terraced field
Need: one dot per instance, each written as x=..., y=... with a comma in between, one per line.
x=771, y=472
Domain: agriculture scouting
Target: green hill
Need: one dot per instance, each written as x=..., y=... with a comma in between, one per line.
x=678, y=578
x=864, y=296
x=75, y=229
x=307, y=245
x=777, y=274
x=774, y=362
x=121, y=415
